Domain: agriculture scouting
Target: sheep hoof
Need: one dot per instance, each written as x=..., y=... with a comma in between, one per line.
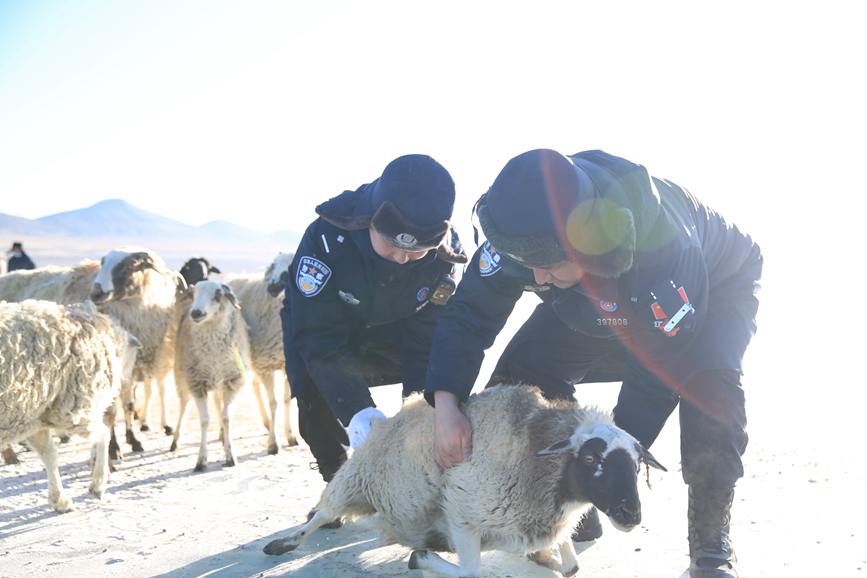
x=10, y=457
x=136, y=446
x=114, y=451
x=145, y=427
x=174, y=446
x=64, y=439
x=96, y=492
x=277, y=547
x=291, y=442
x=273, y=450
x=229, y=463
x=200, y=467
x=111, y=468
x=571, y=572
x=168, y=430
x=63, y=505
x=415, y=558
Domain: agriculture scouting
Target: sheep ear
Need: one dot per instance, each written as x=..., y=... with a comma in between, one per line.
x=649, y=459
x=180, y=285
x=134, y=342
x=143, y=260
x=560, y=447
x=230, y=295
x=212, y=269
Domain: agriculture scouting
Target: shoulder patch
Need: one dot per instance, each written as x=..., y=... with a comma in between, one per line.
x=489, y=260
x=312, y=275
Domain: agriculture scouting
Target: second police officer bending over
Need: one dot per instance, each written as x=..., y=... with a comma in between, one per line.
x=640, y=283
x=366, y=287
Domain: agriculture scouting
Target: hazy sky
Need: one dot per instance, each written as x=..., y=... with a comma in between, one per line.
x=256, y=111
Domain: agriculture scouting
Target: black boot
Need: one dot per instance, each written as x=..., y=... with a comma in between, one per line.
x=710, y=549
x=589, y=528
x=328, y=469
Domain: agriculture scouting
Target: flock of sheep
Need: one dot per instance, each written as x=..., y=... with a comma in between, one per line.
x=75, y=341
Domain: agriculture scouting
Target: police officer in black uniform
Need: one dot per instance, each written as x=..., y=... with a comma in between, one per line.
x=19, y=260
x=366, y=287
x=640, y=283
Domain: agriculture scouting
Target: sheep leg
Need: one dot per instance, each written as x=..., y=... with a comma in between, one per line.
x=99, y=475
x=287, y=400
x=42, y=443
x=202, y=404
x=143, y=417
x=9, y=456
x=127, y=391
x=568, y=558
x=228, y=396
x=272, y=405
x=218, y=407
x=185, y=400
x=468, y=547
x=296, y=538
x=261, y=403
x=161, y=389
x=109, y=418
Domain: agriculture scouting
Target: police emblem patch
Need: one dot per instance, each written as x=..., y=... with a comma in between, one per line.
x=405, y=240
x=312, y=276
x=422, y=294
x=489, y=260
x=607, y=306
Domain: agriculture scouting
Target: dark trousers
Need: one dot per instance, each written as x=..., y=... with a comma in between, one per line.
x=378, y=358
x=548, y=354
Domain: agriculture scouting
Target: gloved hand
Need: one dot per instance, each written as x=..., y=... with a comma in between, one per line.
x=361, y=424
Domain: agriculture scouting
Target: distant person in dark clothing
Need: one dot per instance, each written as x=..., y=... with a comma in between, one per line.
x=19, y=259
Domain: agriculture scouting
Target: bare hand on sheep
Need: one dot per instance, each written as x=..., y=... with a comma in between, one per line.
x=453, y=437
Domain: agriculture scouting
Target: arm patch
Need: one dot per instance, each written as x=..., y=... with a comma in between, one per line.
x=312, y=275
x=489, y=260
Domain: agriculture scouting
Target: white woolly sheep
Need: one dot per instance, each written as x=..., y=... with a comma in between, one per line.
x=536, y=467
x=212, y=354
x=135, y=287
x=59, y=284
x=260, y=306
x=65, y=285
x=62, y=366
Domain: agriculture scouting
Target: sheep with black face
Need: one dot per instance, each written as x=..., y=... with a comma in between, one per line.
x=135, y=286
x=197, y=269
x=212, y=355
x=536, y=467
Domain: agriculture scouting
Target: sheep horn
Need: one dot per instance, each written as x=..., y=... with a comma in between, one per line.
x=649, y=459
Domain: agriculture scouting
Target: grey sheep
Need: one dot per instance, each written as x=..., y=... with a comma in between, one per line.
x=260, y=306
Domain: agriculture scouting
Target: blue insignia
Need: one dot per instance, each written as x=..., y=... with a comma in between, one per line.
x=609, y=306
x=489, y=260
x=312, y=276
x=422, y=294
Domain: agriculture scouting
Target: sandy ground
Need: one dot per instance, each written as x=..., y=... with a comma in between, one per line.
x=797, y=514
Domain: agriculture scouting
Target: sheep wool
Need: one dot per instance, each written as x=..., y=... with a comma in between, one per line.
x=62, y=366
